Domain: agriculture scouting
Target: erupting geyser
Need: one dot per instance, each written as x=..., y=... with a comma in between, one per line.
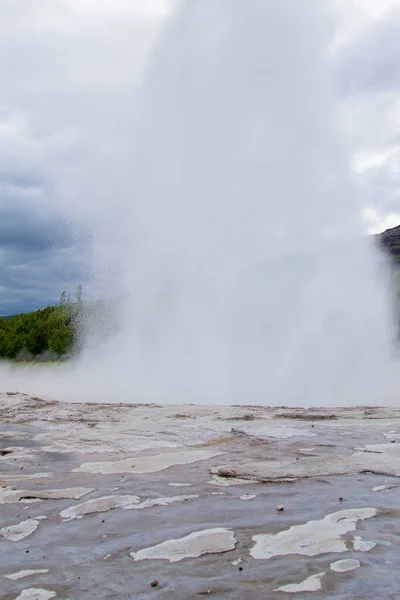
x=247, y=275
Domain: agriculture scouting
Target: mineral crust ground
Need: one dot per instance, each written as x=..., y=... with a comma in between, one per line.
x=136, y=501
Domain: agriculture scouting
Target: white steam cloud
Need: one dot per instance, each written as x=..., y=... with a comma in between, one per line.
x=231, y=226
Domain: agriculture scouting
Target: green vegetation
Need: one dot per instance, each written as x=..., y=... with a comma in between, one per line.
x=46, y=334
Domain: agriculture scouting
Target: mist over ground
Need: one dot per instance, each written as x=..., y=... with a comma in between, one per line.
x=228, y=219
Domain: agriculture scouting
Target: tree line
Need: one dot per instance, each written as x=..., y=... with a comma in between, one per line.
x=48, y=334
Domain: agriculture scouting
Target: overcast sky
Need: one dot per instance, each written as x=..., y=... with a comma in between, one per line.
x=70, y=72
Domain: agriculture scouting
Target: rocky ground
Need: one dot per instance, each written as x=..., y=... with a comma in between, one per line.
x=180, y=502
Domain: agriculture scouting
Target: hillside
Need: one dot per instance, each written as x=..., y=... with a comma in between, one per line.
x=389, y=240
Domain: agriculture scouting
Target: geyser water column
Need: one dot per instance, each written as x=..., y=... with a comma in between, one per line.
x=243, y=286
x=245, y=270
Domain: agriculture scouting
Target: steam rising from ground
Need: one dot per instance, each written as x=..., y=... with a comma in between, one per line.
x=239, y=247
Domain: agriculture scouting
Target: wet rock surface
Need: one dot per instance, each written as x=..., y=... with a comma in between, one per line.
x=171, y=502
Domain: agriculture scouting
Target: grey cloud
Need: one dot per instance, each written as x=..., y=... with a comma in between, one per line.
x=31, y=277
x=31, y=280
x=381, y=189
x=368, y=72
x=28, y=221
x=38, y=248
x=370, y=61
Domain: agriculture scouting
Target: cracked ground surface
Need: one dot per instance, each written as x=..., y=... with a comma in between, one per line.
x=178, y=502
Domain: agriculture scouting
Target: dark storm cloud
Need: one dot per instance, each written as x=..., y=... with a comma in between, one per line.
x=31, y=279
x=37, y=248
x=24, y=229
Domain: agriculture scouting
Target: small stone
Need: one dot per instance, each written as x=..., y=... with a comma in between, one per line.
x=240, y=568
x=392, y=441
x=280, y=508
x=154, y=583
x=340, y=499
x=103, y=521
x=226, y=473
x=27, y=551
